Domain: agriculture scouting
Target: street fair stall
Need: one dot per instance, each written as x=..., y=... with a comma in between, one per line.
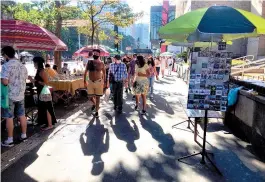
x=210, y=70
x=23, y=35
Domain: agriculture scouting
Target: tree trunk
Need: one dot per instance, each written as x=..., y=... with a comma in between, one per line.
x=57, y=54
x=93, y=32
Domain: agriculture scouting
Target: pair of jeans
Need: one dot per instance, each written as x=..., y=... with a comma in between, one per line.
x=16, y=108
x=151, y=84
x=118, y=94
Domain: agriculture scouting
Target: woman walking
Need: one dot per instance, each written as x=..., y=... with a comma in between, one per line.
x=151, y=78
x=157, y=64
x=46, y=114
x=141, y=84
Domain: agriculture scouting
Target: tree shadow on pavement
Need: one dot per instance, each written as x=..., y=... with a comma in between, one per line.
x=124, y=131
x=162, y=104
x=162, y=82
x=95, y=145
x=166, y=141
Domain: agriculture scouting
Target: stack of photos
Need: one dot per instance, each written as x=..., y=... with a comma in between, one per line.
x=209, y=80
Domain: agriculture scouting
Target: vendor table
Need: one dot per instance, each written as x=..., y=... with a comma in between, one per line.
x=67, y=85
x=67, y=88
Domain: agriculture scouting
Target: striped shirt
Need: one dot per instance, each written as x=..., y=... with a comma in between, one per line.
x=118, y=70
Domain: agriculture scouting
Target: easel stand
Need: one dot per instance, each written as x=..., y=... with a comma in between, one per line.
x=189, y=122
x=203, y=152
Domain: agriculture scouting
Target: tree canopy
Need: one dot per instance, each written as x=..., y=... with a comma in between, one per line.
x=106, y=13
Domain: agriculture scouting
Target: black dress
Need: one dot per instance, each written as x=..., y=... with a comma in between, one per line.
x=43, y=107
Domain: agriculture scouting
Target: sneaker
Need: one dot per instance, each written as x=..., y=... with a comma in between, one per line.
x=136, y=108
x=130, y=89
x=133, y=97
x=23, y=139
x=93, y=108
x=96, y=115
x=126, y=90
x=7, y=144
x=143, y=112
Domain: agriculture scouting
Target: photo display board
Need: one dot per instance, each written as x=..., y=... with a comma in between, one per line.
x=209, y=80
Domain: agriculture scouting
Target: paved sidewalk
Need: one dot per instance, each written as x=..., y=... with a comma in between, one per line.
x=131, y=147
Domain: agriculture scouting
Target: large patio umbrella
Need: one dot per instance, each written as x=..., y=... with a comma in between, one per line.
x=84, y=51
x=26, y=36
x=216, y=23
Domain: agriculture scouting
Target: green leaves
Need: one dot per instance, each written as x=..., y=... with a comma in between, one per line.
x=106, y=12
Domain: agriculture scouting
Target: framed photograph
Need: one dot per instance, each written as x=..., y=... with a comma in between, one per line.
x=223, y=109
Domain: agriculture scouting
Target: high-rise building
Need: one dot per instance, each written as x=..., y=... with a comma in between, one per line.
x=159, y=16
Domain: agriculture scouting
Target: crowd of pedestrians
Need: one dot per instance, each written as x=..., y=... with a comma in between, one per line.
x=135, y=74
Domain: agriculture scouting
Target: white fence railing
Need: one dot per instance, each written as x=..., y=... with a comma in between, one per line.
x=248, y=66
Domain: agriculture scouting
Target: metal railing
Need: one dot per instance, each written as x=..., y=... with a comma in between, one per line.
x=248, y=66
x=247, y=59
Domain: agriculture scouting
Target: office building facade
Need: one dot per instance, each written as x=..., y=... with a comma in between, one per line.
x=159, y=16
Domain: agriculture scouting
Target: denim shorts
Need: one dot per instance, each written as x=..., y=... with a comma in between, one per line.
x=15, y=108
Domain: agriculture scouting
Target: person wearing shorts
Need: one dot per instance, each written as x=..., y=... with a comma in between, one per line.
x=95, y=88
x=14, y=75
x=96, y=74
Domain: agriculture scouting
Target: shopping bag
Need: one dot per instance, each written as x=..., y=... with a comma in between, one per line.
x=233, y=95
x=45, y=94
x=107, y=95
x=4, y=96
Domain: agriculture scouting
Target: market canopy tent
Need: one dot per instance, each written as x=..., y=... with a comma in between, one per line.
x=84, y=51
x=216, y=23
x=26, y=36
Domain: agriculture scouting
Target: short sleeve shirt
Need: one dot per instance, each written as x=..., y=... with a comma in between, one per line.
x=16, y=74
x=141, y=70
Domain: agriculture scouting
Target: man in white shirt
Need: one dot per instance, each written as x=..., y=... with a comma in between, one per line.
x=14, y=75
x=170, y=65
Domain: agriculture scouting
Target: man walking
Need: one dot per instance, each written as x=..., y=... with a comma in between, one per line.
x=96, y=74
x=14, y=75
x=118, y=75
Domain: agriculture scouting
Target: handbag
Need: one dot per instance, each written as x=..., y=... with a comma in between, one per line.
x=112, y=78
x=45, y=94
x=4, y=97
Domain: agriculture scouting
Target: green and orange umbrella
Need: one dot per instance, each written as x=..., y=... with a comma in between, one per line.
x=216, y=23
